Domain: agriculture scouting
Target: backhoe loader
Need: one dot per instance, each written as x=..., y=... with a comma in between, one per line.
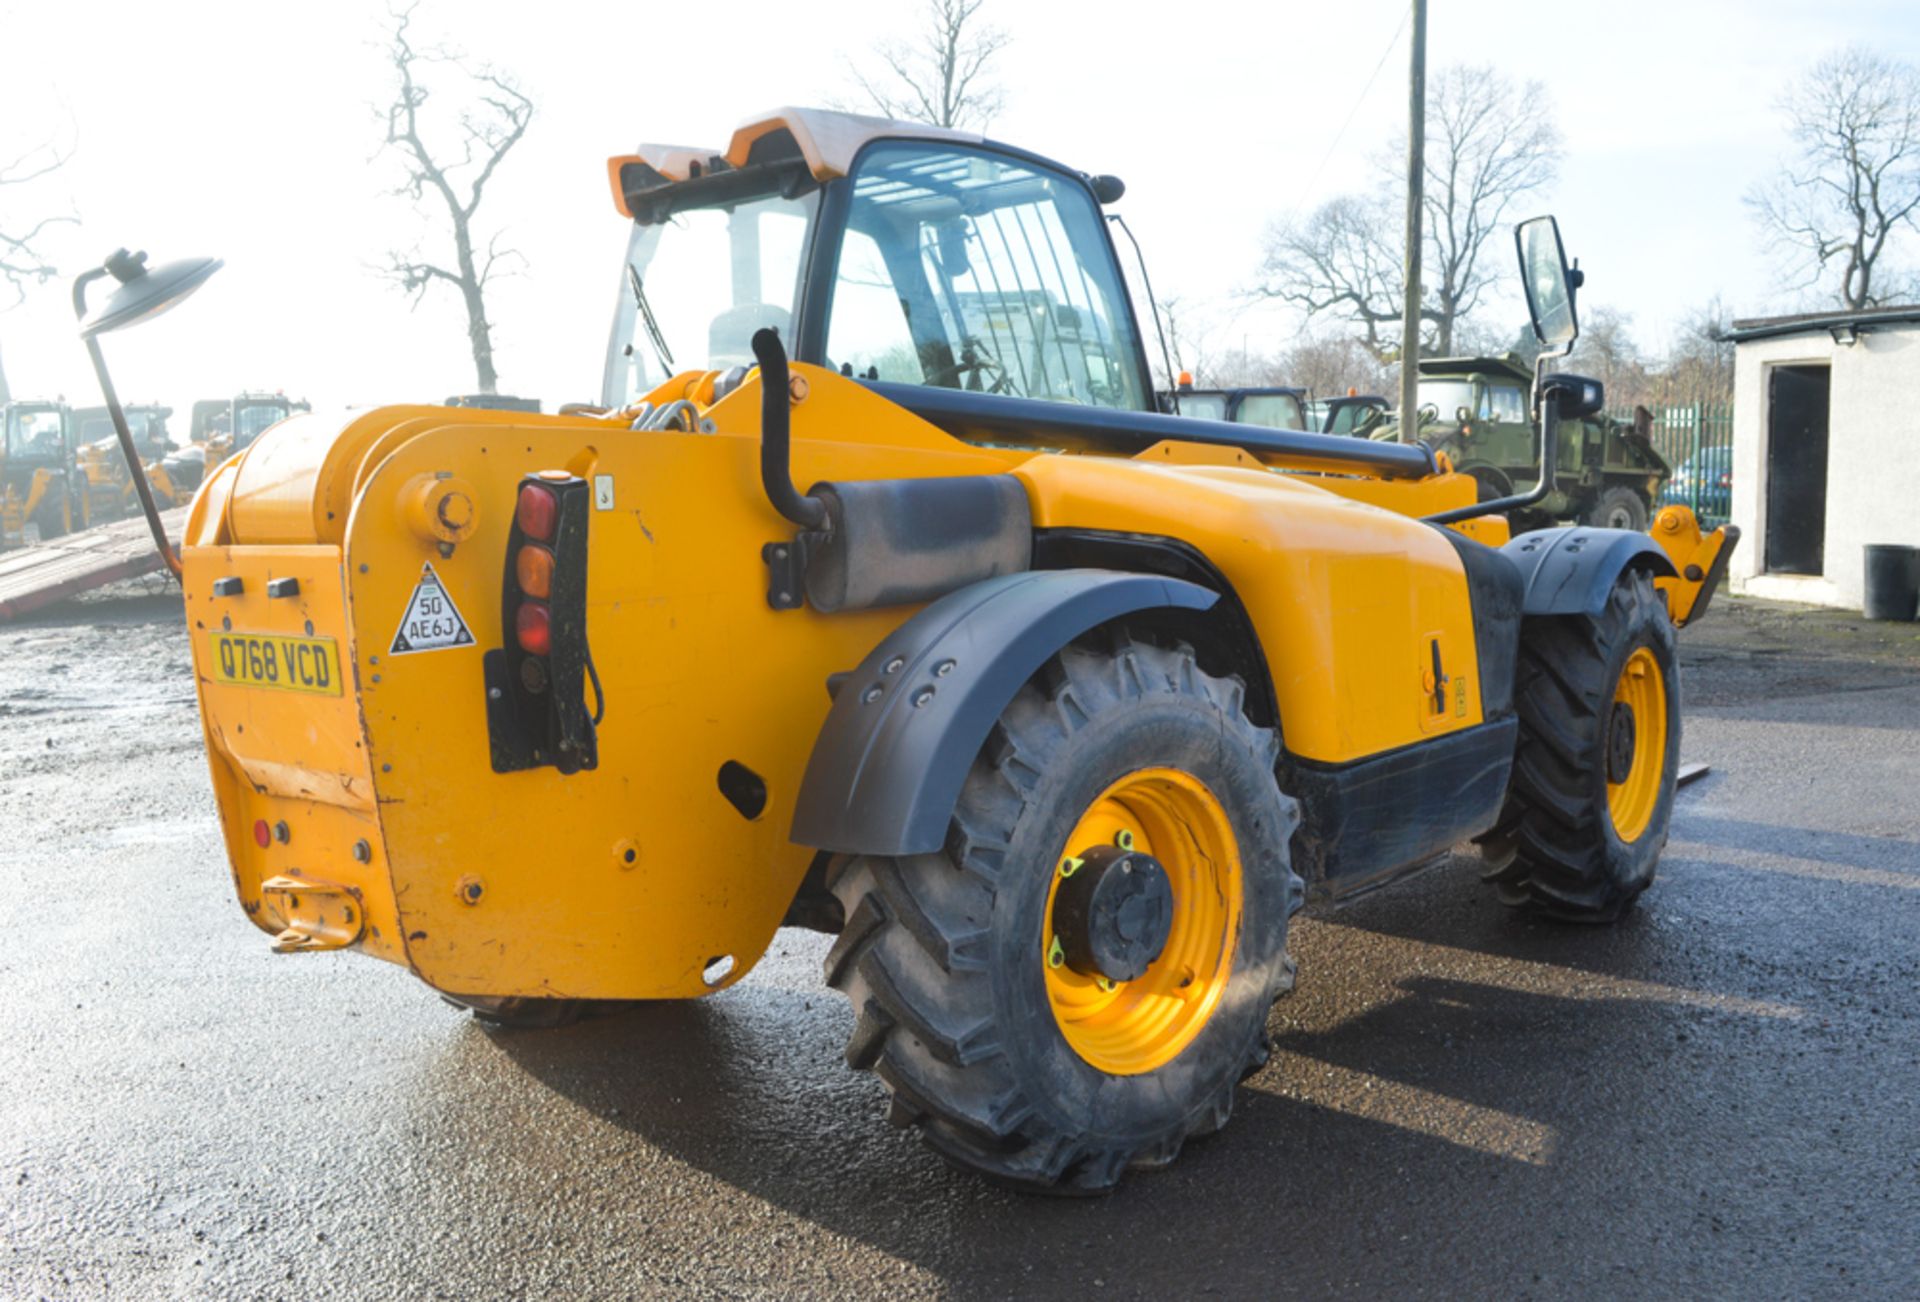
x=43, y=493
x=875, y=596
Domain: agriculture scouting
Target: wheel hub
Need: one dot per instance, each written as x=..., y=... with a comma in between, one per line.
x=1620, y=742
x=1113, y=913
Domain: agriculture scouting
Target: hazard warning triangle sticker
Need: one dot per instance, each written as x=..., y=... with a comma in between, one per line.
x=431, y=621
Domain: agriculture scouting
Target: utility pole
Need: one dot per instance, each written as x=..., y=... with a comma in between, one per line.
x=1416, y=174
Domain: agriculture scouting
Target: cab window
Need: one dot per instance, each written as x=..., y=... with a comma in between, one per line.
x=968, y=270
x=1271, y=410
x=1506, y=403
x=1205, y=406
x=34, y=434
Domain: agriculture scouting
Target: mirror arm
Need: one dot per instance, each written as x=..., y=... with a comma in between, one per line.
x=121, y=429
x=1166, y=357
x=1546, y=406
x=1549, y=436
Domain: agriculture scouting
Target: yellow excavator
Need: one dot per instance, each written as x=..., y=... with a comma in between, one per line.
x=875, y=595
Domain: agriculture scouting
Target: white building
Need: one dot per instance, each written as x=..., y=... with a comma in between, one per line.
x=1826, y=449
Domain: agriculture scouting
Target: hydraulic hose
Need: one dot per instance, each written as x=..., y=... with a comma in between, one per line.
x=776, y=474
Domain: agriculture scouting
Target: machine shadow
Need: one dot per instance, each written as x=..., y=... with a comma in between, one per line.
x=1446, y=1091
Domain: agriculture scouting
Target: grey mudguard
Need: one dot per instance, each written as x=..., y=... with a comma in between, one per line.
x=905, y=726
x=1570, y=570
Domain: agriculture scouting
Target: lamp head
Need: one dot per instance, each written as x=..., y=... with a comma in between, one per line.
x=143, y=292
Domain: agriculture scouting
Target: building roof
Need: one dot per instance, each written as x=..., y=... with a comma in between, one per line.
x=1769, y=327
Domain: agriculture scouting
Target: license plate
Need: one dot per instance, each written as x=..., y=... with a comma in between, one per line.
x=291, y=664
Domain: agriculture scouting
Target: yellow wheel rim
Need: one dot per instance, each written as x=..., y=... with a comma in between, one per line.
x=1636, y=744
x=1128, y=1027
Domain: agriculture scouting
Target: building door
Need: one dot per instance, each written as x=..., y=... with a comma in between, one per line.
x=1797, y=469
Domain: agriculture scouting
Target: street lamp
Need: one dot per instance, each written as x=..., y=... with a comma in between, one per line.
x=143, y=293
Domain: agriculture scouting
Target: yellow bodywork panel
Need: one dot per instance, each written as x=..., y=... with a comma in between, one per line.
x=1348, y=600
x=698, y=670
x=628, y=880
x=1697, y=556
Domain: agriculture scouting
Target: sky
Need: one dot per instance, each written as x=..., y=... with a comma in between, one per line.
x=247, y=129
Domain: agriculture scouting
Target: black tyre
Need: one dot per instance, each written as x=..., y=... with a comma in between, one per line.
x=1491, y=482
x=517, y=1013
x=51, y=519
x=1618, y=507
x=1593, y=777
x=1012, y=1021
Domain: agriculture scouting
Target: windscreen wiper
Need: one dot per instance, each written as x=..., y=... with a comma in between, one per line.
x=646, y=314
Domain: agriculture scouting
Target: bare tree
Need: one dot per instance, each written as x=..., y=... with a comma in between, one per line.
x=23, y=258
x=1608, y=353
x=1329, y=367
x=1698, y=366
x=1490, y=144
x=942, y=75
x=1854, y=178
x=485, y=128
x=1340, y=263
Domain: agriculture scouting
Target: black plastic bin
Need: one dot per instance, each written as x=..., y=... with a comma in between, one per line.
x=1893, y=581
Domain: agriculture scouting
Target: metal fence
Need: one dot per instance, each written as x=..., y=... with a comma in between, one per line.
x=1697, y=441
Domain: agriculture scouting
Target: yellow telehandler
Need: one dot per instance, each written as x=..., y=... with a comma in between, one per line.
x=877, y=596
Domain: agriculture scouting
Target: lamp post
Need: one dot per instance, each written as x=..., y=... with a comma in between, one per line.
x=142, y=293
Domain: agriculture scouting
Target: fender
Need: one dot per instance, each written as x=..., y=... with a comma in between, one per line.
x=888, y=765
x=1570, y=570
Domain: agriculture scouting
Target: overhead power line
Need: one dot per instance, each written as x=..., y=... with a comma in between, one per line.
x=1406, y=13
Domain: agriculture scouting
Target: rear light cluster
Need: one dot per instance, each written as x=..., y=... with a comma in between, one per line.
x=538, y=516
x=536, y=683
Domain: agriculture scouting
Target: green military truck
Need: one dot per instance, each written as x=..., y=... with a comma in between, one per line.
x=1475, y=409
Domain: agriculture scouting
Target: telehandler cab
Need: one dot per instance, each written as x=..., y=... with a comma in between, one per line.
x=42, y=489
x=876, y=597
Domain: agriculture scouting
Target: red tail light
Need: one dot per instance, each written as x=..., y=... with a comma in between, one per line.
x=533, y=628
x=537, y=713
x=533, y=570
x=262, y=834
x=536, y=512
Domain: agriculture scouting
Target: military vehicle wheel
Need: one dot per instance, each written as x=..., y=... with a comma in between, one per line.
x=1080, y=980
x=520, y=1013
x=1593, y=777
x=1618, y=507
x=1492, y=484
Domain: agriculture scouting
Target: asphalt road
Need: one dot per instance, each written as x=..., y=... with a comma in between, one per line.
x=1720, y=1096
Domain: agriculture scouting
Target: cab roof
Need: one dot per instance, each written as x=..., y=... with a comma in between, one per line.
x=825, y=140
x=1507, y=366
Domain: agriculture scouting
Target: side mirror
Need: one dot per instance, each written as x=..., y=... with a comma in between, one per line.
x=1549, y=284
